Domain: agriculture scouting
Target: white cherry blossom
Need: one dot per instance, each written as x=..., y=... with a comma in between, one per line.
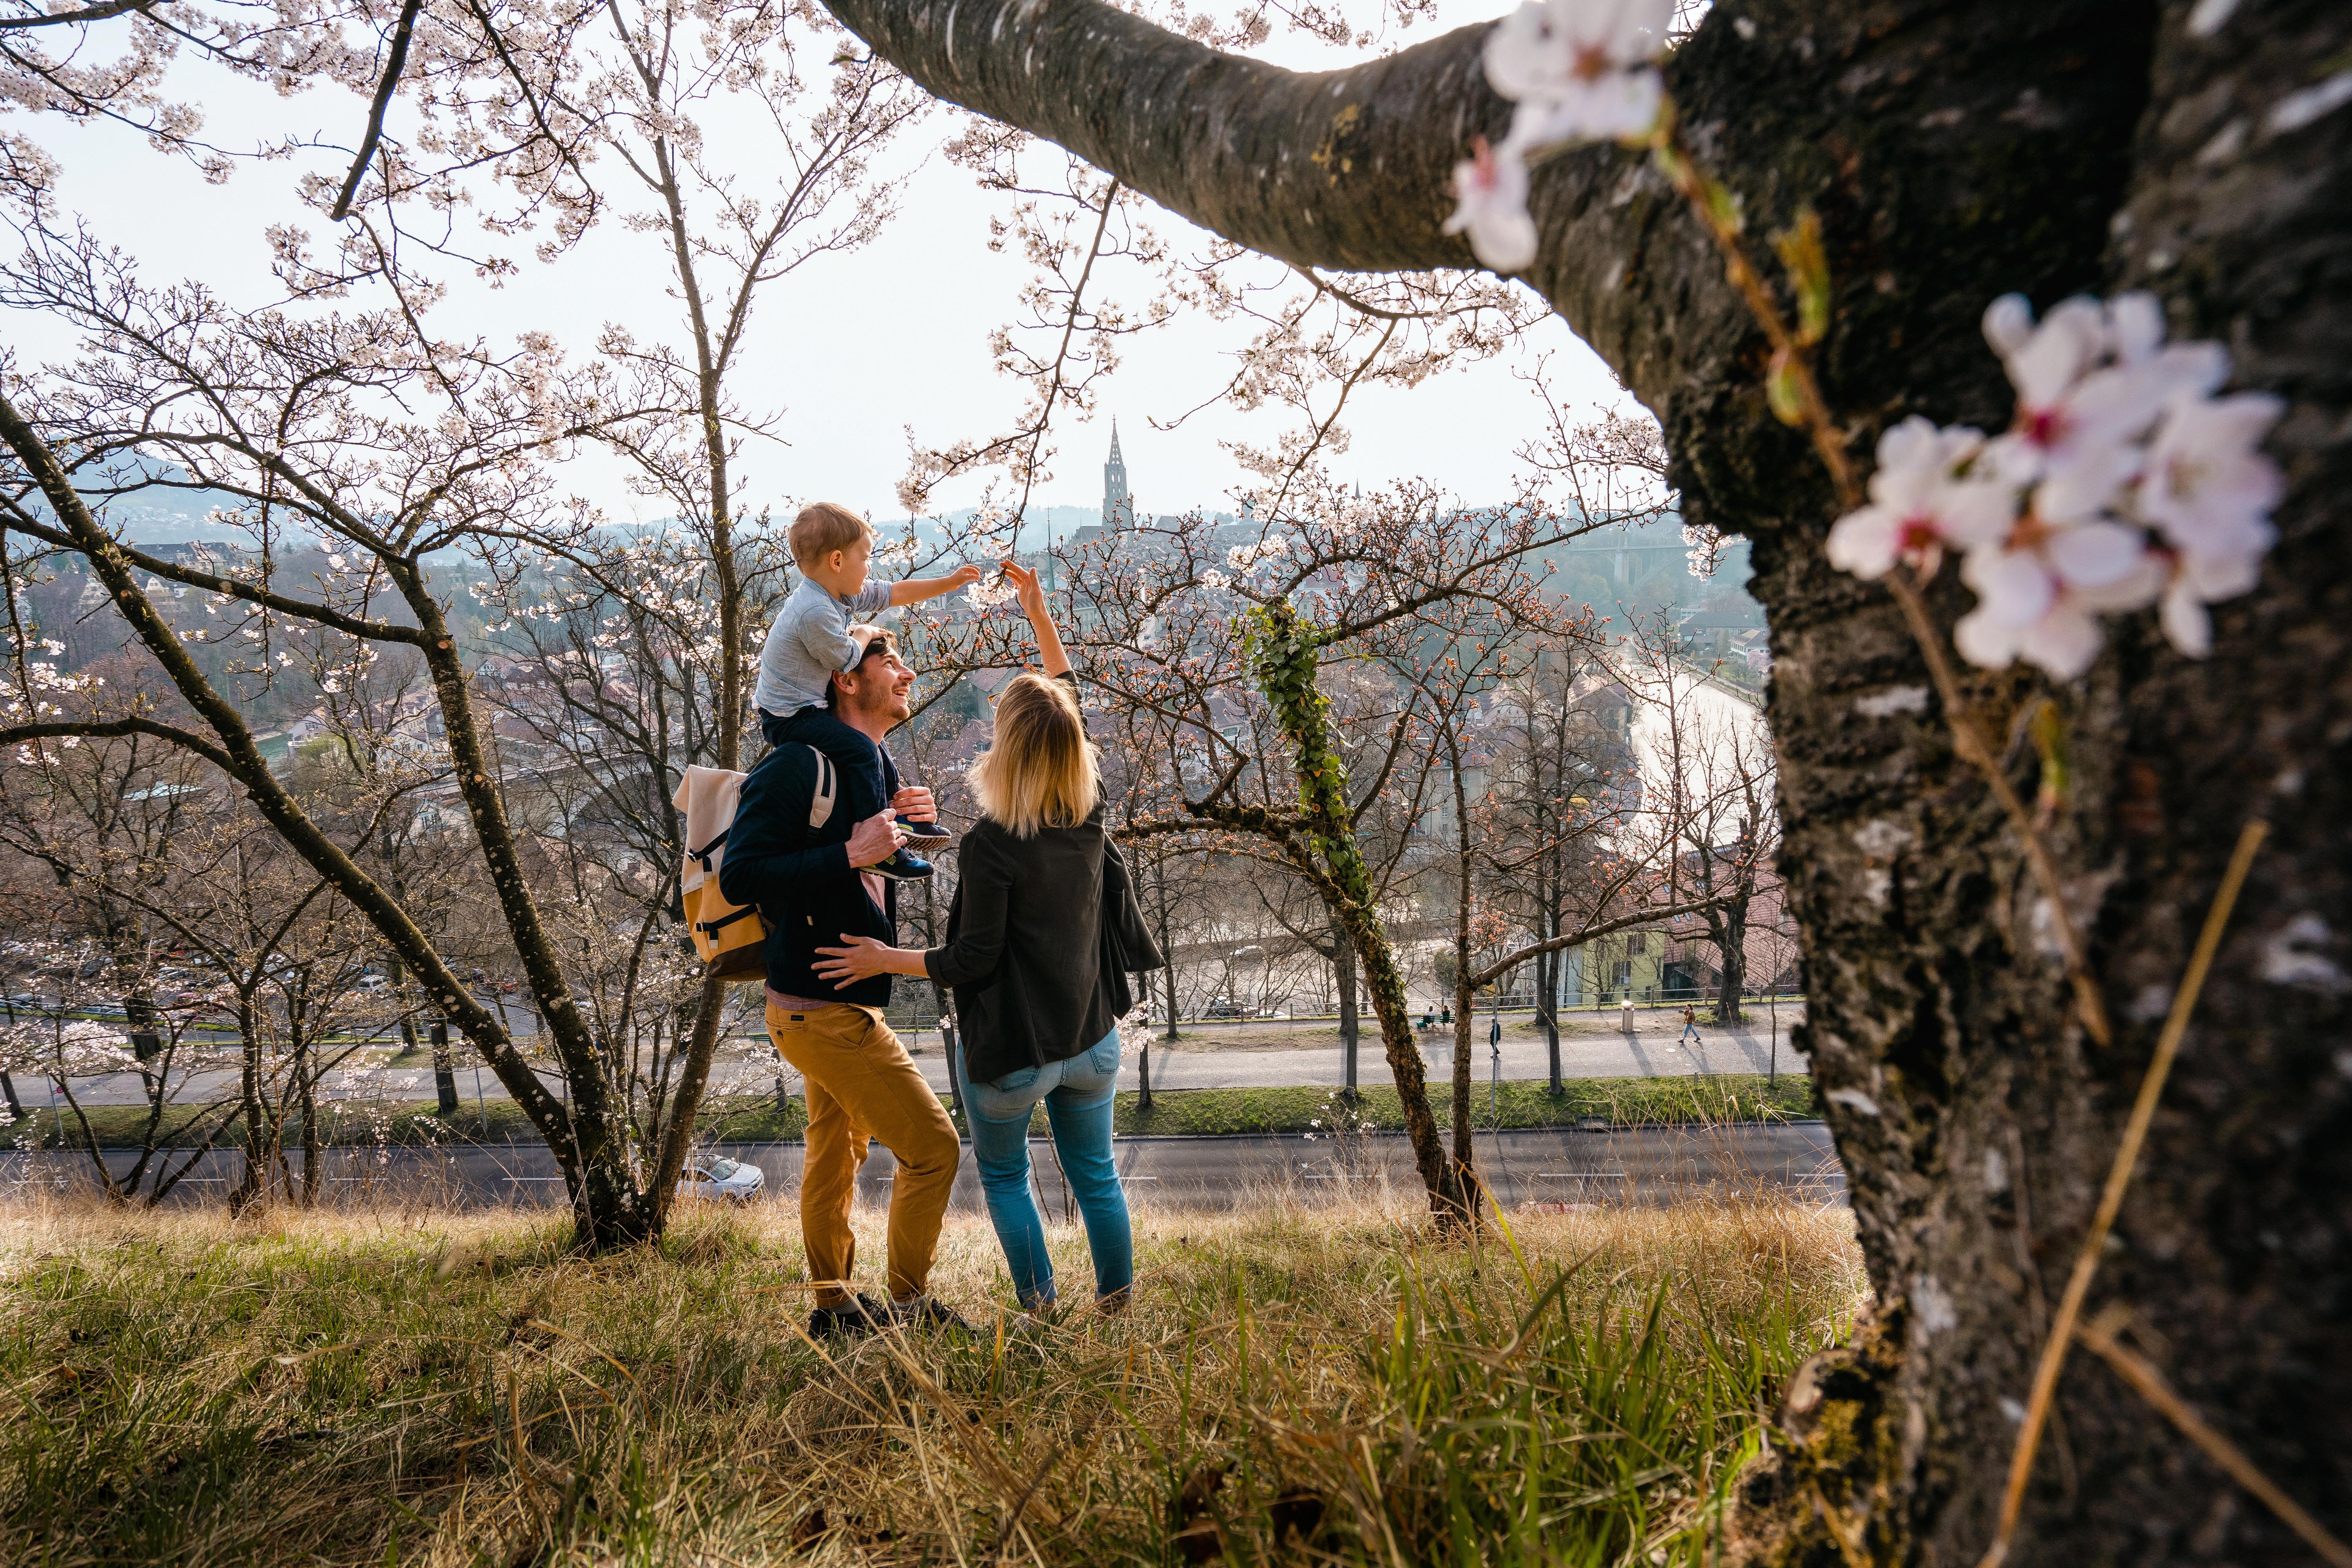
x=1923, y=499
x=2026, y=610
x=2125, y=483
x=2208, y=487
x=2090, y=381
x=1579, y=69
x=1491, y=189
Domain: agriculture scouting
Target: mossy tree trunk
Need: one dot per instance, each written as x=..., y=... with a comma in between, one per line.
x=1285, y=661
x=1954, y=153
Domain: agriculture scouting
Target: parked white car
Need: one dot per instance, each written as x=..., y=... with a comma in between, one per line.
x=739, y=1180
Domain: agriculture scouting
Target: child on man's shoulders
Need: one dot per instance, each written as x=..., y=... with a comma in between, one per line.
x=811, y=640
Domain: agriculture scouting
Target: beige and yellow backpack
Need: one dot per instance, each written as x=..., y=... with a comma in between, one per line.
x=729, y=936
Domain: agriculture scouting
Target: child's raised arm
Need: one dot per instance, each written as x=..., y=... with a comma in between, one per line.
x=918, y=588
x=1041, y=617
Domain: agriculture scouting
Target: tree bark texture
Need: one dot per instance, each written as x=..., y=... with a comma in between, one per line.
x=1954, y=153
x=445, y=1070
x=1285, y=664
x=1727, y=928
x=1547, y=1001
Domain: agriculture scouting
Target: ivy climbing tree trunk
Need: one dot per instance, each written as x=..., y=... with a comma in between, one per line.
x=1953, y=151
x=1284, y=657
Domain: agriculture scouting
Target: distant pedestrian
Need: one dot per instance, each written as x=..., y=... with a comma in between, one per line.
x=1690, y=1024
x=1495, y=1035
x=1446, y=1018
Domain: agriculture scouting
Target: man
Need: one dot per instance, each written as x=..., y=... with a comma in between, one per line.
x=1690, y=1022
x=812, y=885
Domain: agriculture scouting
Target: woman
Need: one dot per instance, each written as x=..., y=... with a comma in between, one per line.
x=1038, y=1001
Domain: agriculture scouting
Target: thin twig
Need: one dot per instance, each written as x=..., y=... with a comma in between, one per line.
x=1681, y=168
x=1675, y=162
x=1976, y=751
x=88, y=14
x=2119, y=1176
x=2099, y=1335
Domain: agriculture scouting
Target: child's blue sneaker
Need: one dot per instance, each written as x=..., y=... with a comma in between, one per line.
x=903, y=867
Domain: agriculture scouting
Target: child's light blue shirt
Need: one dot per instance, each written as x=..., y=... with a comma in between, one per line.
x=809, y=641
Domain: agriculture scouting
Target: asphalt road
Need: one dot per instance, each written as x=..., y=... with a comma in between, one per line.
x=1257, y=1054
x=1611, y=1166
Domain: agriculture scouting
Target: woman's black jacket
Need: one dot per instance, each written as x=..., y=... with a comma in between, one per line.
x=1025, y=953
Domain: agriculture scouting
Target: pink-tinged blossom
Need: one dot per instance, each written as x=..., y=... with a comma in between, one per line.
x=2209, y=489
x=2090, y=380
x=2201, y=578
x=1922, y=499
x=1579, y=69
x=1492, y=191
x=2138, y=487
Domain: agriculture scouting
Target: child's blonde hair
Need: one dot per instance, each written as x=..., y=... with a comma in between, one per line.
x=823, y=527
x=1042, y=770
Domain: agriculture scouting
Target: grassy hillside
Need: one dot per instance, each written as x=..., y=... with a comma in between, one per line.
x=1293, y=1384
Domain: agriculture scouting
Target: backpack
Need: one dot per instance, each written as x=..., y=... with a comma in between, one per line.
x=728, y=937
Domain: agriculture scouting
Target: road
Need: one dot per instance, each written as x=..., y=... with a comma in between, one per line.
x=1257, y=1054
x=1609, y=1166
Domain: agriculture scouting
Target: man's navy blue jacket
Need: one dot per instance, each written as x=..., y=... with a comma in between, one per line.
x=801, y=878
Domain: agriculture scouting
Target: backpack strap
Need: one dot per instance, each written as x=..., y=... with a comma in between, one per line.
x=708, y=850
x=821, y=795
x=726, y=920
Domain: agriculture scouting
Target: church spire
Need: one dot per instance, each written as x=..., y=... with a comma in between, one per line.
x=1117, y=510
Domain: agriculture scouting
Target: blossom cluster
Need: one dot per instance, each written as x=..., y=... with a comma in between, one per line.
x=1249, y=557
x=1579, y=70
x=2122, y=482
x=991, y=591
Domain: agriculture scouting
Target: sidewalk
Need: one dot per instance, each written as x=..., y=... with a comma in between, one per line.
x=1208, y=1056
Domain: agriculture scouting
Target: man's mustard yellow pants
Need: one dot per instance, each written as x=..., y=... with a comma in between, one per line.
x=863, y=1085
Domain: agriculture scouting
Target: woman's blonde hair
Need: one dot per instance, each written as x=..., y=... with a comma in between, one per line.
x=1040, y=771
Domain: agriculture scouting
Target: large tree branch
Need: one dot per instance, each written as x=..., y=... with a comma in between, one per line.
x=24, y=521
x=242, y=762
x=75, y=18
x=18, y=734
x=1347, y=169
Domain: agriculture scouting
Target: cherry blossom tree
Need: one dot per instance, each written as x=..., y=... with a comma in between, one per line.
x=1972, y=969
x=318, y=423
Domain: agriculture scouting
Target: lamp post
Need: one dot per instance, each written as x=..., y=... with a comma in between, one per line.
x=1495, y=1049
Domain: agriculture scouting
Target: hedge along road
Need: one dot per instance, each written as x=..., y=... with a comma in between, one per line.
x=1254, y=1054
x=1611, y=1166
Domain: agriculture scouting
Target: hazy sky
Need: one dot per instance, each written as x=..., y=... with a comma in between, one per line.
x=852, y=350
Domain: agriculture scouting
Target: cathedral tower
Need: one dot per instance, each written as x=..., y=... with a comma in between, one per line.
x=1118, y=510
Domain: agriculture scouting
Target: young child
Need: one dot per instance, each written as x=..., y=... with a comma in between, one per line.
x=811, y=640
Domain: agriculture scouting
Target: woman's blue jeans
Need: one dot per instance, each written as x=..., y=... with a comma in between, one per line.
x=1077, y=1094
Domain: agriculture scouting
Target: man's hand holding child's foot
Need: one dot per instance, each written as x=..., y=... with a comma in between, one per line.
x=874, y=841
x=879, y=845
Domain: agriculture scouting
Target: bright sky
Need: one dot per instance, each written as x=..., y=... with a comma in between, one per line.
x=853, y=350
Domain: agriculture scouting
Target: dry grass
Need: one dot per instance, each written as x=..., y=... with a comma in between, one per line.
x=1297, y=1383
